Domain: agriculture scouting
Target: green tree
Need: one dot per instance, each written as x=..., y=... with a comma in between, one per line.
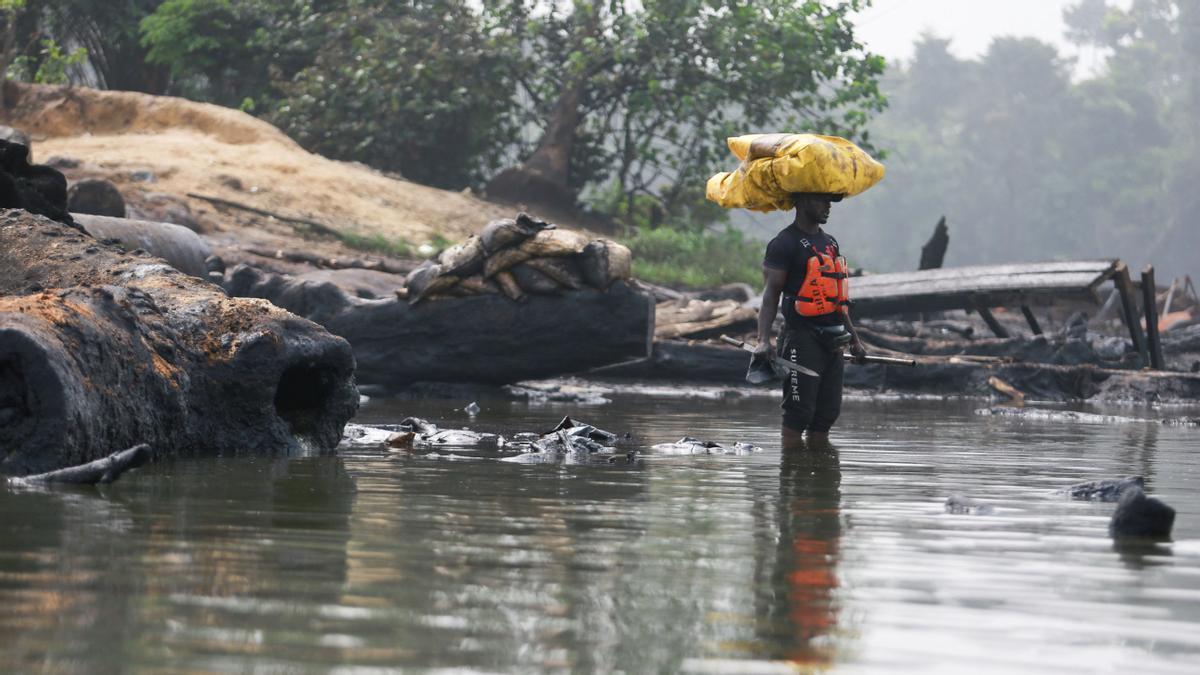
x=641, y=97
x=422, y=88
x=234, y=52
x=10, y=12
x=108, y=31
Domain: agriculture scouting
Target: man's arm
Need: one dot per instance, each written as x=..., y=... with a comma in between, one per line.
x=773, y=280
x=856, y=345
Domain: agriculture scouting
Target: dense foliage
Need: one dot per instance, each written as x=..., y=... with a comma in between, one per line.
x=1028, y=163
x=640, y=97
x=635, y=98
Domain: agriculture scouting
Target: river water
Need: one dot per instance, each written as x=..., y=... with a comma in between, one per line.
x=841, y=559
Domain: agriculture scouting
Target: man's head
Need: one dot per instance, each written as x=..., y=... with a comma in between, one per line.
x=813, y=207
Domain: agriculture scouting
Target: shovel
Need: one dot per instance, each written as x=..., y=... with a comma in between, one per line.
x=775, y=360
x=784, y=363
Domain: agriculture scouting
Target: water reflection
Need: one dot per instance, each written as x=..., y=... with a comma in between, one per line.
x=798, y=613
x=494, y=566
x=161, y=556
x=811, y=558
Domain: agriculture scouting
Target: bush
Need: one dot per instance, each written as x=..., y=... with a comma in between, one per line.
x=692, y=259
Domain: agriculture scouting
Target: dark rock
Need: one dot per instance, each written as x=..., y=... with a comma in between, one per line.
x=122, y=349
x=36, y=188
x=1104, y=490
x=1140, y=516
x=482, y=338
x=96, y=197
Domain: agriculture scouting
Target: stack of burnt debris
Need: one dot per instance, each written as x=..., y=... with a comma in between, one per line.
x=520, y=257
x=1039, y=330
x=514, y=302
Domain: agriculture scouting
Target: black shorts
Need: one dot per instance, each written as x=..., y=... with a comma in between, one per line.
x=811, y=403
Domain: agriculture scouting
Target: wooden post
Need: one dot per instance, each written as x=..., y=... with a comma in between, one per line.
x=934, y=250
x=990, y=319
x=1150, y=303
x=1124, y=286
x=1031, y=320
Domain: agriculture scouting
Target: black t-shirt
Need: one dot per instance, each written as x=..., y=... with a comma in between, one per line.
x=790, y=251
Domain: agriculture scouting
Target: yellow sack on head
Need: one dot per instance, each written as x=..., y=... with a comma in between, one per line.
x=776, y=165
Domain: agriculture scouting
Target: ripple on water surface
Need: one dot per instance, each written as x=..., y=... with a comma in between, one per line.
x=844, y=558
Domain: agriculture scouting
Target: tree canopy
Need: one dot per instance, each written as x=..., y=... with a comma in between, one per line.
x=632, y=99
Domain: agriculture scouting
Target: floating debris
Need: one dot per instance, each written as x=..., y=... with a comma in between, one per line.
x=694, y=446
x=961, y=505
x=1103, y=490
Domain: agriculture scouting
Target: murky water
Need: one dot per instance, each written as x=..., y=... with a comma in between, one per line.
x=843, y=559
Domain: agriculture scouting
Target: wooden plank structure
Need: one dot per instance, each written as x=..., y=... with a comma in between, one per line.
x=982, y=287
x=1024, y=284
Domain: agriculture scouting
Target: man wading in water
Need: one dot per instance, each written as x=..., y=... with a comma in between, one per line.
x=804, y=265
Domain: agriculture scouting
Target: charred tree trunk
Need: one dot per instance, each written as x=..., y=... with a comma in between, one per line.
x=101, y=350
x=934, y=250
x=543, y=178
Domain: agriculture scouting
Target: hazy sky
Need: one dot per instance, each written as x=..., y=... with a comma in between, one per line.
x=889, y=27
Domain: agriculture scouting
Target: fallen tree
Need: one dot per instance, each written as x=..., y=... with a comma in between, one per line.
x=102, y=350
x=480, y=338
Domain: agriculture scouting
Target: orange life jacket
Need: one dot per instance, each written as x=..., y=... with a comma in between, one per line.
x=826, y=287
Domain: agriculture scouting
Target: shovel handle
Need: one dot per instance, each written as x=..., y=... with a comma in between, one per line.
x=883, y=360
x=736, y=343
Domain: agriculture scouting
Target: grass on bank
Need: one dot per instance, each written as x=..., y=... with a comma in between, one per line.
x=377, y=243
x=695, y=259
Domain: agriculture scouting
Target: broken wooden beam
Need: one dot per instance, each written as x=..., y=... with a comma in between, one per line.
x=1124, y=286
x=1150, y=303
x=990, y=319
x=1031, y=320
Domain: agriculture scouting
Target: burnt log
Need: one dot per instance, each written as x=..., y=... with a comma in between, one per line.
x=100, y=349
x=481, y=338
x=934, y=250
x=176, y=244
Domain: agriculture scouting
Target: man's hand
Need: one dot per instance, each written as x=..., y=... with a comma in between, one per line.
x=763, y=348
x=858, y=351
